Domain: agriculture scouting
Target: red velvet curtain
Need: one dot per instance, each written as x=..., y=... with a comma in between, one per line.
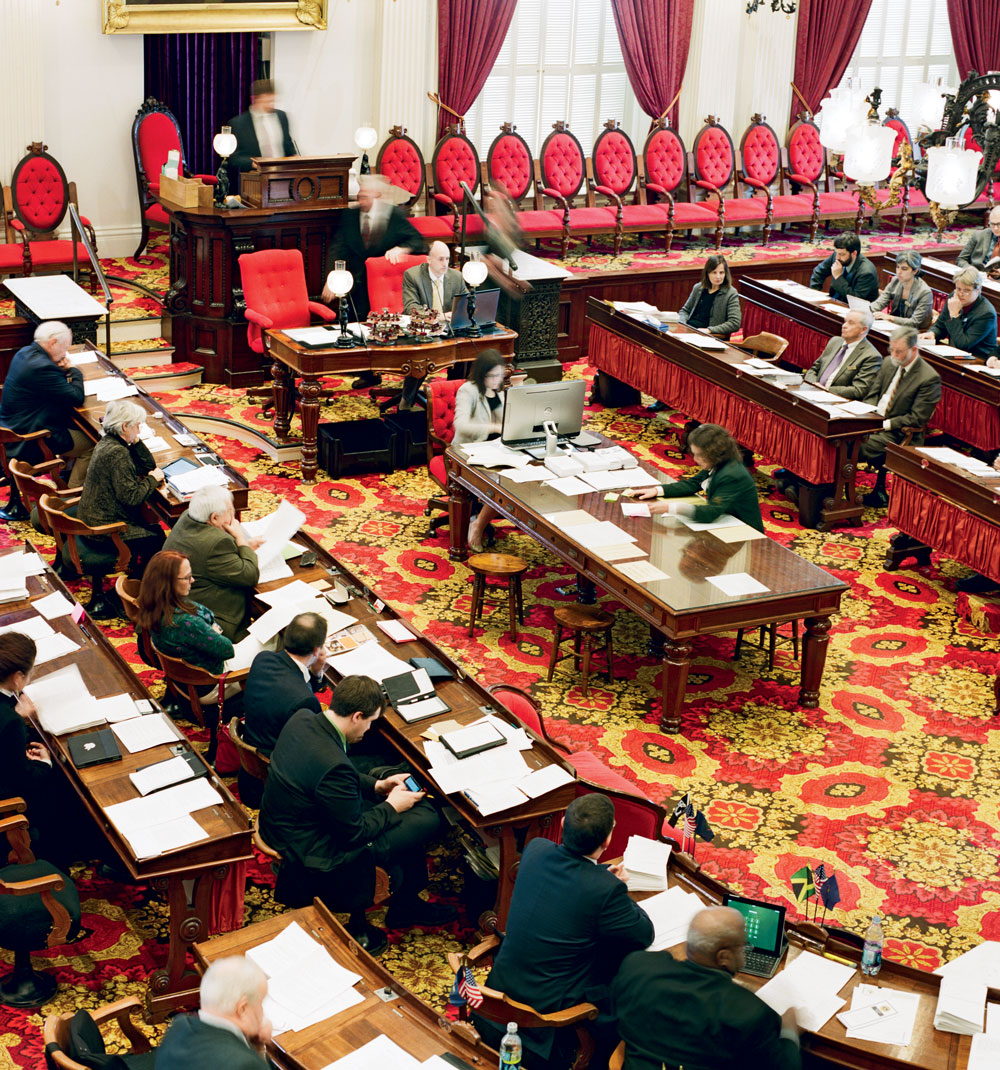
x=470, y=34
x=654, y=40
x=824, y=42
x=975, y=35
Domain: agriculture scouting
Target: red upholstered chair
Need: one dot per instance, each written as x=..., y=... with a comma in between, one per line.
x=401, y=163
x=662, y=171
x=804, y=164
x=509, y=164
x=12, y=259
x=713, y=166
x=616, y=172
x=385, y=281
x=440, y=431
x=35, y=205
x=455, y=160
x=561, y=172
x=155, y=132
x=760, y=152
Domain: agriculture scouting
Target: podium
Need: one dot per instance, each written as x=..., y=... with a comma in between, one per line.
x=295, y=182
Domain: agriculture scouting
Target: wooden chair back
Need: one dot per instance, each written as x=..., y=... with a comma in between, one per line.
x=253, y=762
x=34, y=480
x=127, y=588
x=56, y=1031
x=765, y=345
x=258, y=842
x=186, y=681
x=65, y=529
x=617, y=1060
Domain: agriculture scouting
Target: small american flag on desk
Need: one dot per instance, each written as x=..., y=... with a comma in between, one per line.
x=468, y=987
x=690, y=828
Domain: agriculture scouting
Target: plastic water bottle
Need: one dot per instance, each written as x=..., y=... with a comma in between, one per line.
x=871, y=957
x=510, y=1047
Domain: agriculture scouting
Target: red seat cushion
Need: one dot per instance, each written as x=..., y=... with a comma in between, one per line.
x=591, y=768
x=433, y=226
x=11, y=257
x=917, y=199
x=436, y=468
x=156, y=213
x=522, y=708
x=745, y=208
x=688, y=214
x=794, y=204
x=585, y=218
x=838, y=202
x=473, y=224
x=637, y=215
x=47, y=253
x=538, y=220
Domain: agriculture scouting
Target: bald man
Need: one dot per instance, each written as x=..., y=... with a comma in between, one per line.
x=429, y=285
x=691, y=1013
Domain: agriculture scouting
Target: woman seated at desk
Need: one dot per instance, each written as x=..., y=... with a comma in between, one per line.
x=179, y=627
x=713, y=303
x=729, y=487
x=479, y=417
x=121, y=478
x=907, y=301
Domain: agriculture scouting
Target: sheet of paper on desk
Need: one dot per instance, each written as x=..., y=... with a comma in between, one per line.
x=837, y=310
x=621, y=479
x=641, y=571
x=635, y=509
x=984, y=1053
x=940, y=265
x=113, y=388
x=378, y=1054
x=21, y=565
x=166, y=805
x=724, y=521
x=737, y=533
x=283, y=951
x=155, y=444
x=246, y=650
x=207, y=475
x=452, y=774
x=141, y=733
x=980, y=963
x=166, y=836
x=569, y=518
x=897, y=1029
x=296, y=591
x=814, y=394
x=369, y=659
x=314, y=978
x=569, y=485
x=63, y=702
x=53, y=605
x=275, y=569
x=883, y=326
x=646, y=862
x=283, y=1018
x=54, y=646
x=544, y=780
x=85, y=356
x=961, y=1005
x=161, y=775
x=531, y=474
x=619, y=552
x=995, y=372
x=671, y=913
x=737, y=584
x=276, y=529
x=810, y=984
x=514, y=735
x=13, y=589
x=34, y=627
x=494, y=455
x=857, y=408
x=815, y=297
x=702, y=341
x=600, y=533
x=941, y=350
x=186, y=439
x=494, y=798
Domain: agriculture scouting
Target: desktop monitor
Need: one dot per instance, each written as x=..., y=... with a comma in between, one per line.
x=528, y=408
x=486, y=309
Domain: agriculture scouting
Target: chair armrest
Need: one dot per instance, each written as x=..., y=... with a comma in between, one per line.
x=208, y=180
x=661, y=190
x=105, y=529
x=121, y=1012
x=30, y=436
x=800, y=180
x=607, y=191
x=85, y=221
x=909, y=432
x=18, y=837
x=262, y=321
x=711, y=187
x=555, y=195
x=754, y=183
x=443, y=198
x=44, y=886
x=13, y=804
x=124, y=553
x=323, y=311
x=18, y=225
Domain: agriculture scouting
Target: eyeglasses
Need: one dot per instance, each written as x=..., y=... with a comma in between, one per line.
x=964, y=291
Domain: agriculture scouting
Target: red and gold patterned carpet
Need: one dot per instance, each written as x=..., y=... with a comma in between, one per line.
x=891, y=783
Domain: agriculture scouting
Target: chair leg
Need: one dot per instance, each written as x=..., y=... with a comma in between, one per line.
x=587, y=640
x=609, y=653
x=556, y=643
x=795, y=639
x=477, y=600
x=772, y=642
x=143, y=239
x=739, y=644
x=520, y=598
x=512, y=607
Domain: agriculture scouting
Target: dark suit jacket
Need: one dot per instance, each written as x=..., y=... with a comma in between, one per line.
x=225, y=574
x=974, y=329
x=916, y=397
x=274, y=690
x=417, y=287
x=860, y=281
x=856, y=373
x=979, y=248
x=730, y=489
x=672, y=1013
x=190, y=1043
x=318, y=810
x=570, y=924
x=725, y=316
x=349, y=246
x=37, y=394
x=247, y=145
x=19, y=775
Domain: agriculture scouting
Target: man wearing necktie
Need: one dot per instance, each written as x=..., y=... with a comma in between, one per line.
x=982, y=245
x=905, y=394
x=848, y=365
x=262, y=131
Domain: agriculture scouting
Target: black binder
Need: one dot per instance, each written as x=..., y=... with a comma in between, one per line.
x=94, y=748
x=434, y=669
x=402, y=691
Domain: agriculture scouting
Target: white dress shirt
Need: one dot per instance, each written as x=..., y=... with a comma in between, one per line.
x=267, y=127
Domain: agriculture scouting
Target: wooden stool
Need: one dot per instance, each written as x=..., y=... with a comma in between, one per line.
x=498, y=566
x=772, y=632
x=584, y=625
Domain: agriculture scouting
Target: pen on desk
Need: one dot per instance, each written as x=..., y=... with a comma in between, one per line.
x=85, y=632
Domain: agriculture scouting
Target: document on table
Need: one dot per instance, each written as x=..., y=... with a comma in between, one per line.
x=453, y=774
x=621, y=479
x=814, y=394
x=166, y=836
x=296, y=591
x=534, y=473
x=246, y=650
x=494, y=455
x=369, y=659
x=161, y=775
x=141, y=733
x=619, y=552
x=544, y=780
x=980, y=963
x=109, y=388
x=896, y=1029
x=34, y=627
x=810, y=984
x=275, y=569
x=155, y=444
x=641, y=571
x=378, y=1054
x=939, y=349
x=646, y=862
x=600, y=533
x=86, y=356
x=961, y=1004
x=167, y=805
x=569, y=485
x=207, y=475
x=21, y=565
x=737, y=584
x=857, y=408
x=570, y=518
x=63, y=702
x=53, y=605
x=635, y=509
x=276, y=529
x=737, y=533
x=941, y=265
x=724, y=521
x=53, y=646
x=702, y=341
x=671, y=913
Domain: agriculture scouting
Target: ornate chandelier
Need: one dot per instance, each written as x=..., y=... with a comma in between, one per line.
x=787, y=7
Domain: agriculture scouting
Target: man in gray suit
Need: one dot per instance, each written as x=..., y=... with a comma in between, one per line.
x=982, y=245
x=848, y=365
x=430, y=285
x=905, y=393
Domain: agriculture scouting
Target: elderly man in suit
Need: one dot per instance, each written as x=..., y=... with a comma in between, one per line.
x=981, y=246
x=374, y=227
x=229, y=1030
x=968, y=321
x=260, y=131
x=223, y=558
x=41, y=390
x=571, y=923
x=848, y=365
x=850, y=273
x=691, y=1013
x=905, y=394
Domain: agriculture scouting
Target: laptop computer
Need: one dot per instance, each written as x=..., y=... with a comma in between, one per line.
x=766, y=943
x=486, y=309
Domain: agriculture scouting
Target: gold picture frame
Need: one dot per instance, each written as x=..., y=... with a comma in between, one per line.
x=194, y=16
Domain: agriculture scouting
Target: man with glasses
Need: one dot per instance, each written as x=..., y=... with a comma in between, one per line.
x=981, y=247
x=690, y=1013
x=968, y=321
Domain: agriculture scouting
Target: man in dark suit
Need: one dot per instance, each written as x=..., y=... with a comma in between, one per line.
x=334, y=824
x=41, y=390
x=848, y=365
x=571, y=922
x=905, y=394
x=230, y=1030
x=223, y=558
x=262, y=131
x=981, y=245
x=968, y=321
x=850, y=272
x=374, y=227
x=283, y=681
x=691, y=1013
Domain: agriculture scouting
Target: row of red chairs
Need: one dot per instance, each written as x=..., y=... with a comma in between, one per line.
x=563, y=193
x=35, y=206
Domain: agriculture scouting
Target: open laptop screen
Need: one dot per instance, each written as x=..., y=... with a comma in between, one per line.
x=486, y=309
x=765, y=922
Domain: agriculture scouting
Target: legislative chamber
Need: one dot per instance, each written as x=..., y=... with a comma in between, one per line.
x=498, y=534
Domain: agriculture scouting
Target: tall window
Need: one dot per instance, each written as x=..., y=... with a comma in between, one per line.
x=560, y=60
x=901, y=46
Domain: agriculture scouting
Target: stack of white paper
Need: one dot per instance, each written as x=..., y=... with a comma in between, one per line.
x=110, y=388
x=63, y=702
x=671, y=913
x=161, y=775
x=53, y=605
x=53, y=646
x=896, y=1029
x=369, y=659
x=980, y=963
x=961, y=1005
x=23, y=564
x=620, y=479
x=118, y=708
x=276, y=529
x=162, y=822
x=142, y=733
x=939, y=349
x=13, y=588
x=702, y=341
x=646, y=863
x=34, y=627
x=809, y=984
x=208, y=475
x=494, y=455
x=378, y=1054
